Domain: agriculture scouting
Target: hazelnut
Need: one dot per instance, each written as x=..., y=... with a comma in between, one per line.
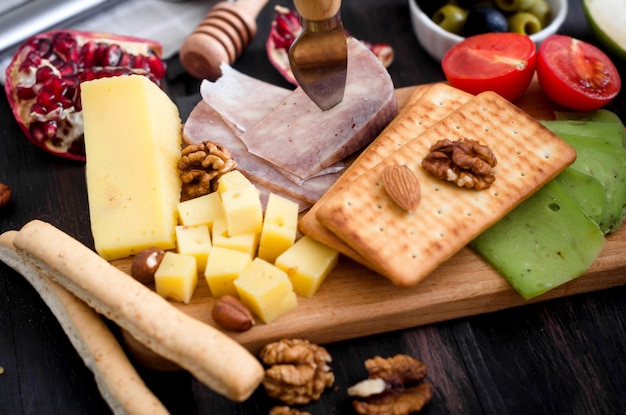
x=5, y=195
x=145, y=264
x=231, y=314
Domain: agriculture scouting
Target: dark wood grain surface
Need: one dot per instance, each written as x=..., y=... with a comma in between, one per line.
x=565, y=356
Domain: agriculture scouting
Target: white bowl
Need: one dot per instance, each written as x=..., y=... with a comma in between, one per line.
x=436, y=41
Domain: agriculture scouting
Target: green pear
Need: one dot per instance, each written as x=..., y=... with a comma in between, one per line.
x=605, y=19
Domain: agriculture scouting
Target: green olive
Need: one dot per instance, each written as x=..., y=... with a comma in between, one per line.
x=542, y=10
x=524, y=23
x=450, y=18
x=514, y=5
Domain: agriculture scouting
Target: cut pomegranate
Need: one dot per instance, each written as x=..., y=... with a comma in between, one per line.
x=285, y=29
x=43, y=81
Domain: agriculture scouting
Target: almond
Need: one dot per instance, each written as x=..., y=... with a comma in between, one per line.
x=402, y=186
x=5, y=195
x=231, y=314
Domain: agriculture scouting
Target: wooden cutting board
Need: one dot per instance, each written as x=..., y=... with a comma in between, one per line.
x=355, y=302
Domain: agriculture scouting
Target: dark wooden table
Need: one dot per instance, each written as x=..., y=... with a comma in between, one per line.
x=565, y=356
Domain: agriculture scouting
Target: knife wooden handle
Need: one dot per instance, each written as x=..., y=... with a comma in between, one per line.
x=226, y=30
x=317, y=9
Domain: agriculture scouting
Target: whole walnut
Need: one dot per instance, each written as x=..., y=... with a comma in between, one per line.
x=467, y=163
x=200, y=166
x=298, y=372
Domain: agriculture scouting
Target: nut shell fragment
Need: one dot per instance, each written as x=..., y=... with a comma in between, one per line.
x=395, y=386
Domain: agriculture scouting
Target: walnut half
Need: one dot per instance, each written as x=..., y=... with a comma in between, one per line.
x=395, y=387
x=200, y=166
x=298, y=372
x=467, y=163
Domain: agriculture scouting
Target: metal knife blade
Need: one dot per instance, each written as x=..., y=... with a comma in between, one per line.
x=319, y=56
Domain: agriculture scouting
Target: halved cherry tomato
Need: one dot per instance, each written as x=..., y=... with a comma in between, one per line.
x=576, y=74
x=500, y=62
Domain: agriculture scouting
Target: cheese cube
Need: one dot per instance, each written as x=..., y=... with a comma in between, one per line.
x=265, y=290
x=247, y=243
x=194, y=241
x=280, y=226
x=234, y=179
x=243, y=210
x=132, y=145
x=223, y=268
x=307, y=263
x=200, y=210
x=177, y=277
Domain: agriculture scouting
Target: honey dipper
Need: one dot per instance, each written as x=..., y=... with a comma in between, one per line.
x=222, y=36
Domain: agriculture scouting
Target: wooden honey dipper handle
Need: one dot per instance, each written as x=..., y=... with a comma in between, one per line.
x=222, y=36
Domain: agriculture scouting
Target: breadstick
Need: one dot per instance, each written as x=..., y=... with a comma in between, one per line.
x=119, y=384
x=211, y=356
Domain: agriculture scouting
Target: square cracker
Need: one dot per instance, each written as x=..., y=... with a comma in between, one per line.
x=426, y=105
x=407, y=246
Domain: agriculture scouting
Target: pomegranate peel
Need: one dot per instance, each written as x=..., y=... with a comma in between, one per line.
x=285, y=29
x=43, y=81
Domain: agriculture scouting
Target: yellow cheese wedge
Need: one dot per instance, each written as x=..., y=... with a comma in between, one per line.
x=132, y=144
x=247, y=243
x=243, y=210
x=201, y=210
x=279, y=227
x=307, y=263
x=223, y=268
x=177, y=277
x=194, y=241
x=265, y=290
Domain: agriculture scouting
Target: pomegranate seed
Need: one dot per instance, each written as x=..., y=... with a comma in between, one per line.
x=66, y=101
x=46, y=98
x=50, y=129
x=87, y=75
x=38, y=109
x=71, y=81
x=88, y=54
x=55, y=85
x=43, y=74
x=25, y=93
x=68, y=68
x=32, y=60
x=157, y=66
x=113, y=55
x=127, y=60
x=65, y=45
x=43, y=47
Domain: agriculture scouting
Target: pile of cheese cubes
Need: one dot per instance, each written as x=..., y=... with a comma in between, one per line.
x=242, y=251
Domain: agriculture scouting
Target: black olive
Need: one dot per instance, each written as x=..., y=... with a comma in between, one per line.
x=483, y=20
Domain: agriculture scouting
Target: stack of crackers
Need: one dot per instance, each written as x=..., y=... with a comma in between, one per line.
x=359, y=219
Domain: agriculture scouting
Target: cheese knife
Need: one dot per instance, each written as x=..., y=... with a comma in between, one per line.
x=319, y=56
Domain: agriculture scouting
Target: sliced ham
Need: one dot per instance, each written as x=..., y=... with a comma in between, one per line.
x=243, y=101
x=302, y=139
x=204, y=123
